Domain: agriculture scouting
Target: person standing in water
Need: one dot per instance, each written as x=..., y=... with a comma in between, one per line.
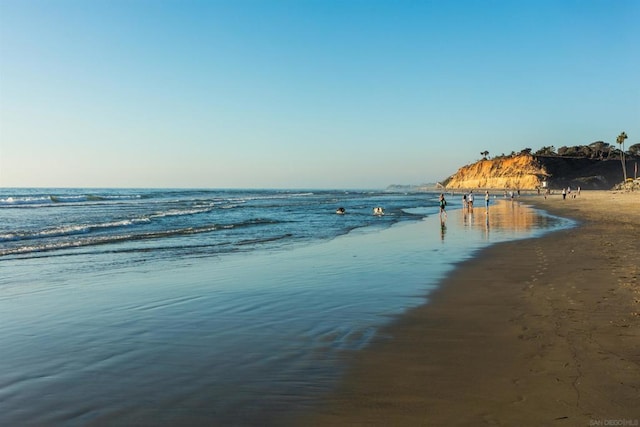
x=443, y=205
x=486, y=200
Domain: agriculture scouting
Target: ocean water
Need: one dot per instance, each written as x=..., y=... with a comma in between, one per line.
x=154, y=224
x=212, y=307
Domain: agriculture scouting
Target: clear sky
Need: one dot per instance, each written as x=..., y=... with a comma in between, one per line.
x=304, y=93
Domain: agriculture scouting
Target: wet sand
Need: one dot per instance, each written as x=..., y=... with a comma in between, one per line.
x=541, y=331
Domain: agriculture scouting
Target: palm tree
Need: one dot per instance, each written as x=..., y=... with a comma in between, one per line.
x=620, y=140
x=484, y=154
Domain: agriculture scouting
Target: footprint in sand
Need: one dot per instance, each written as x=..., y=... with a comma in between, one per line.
x=541, y=264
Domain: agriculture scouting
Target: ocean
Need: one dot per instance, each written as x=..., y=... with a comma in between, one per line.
x=153, y=224
x=212, y=307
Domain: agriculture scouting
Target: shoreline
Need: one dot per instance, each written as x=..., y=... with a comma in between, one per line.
x=236, y=340
x=532, y=332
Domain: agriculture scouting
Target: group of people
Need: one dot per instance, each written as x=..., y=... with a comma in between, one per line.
x=511, y=194
x=467, y=202
x=567, y=192
x=378, y=211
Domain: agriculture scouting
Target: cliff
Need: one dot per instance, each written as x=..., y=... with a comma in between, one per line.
x=526, y=172
x=518, y=172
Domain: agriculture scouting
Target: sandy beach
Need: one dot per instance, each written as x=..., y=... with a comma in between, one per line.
x=542, y=331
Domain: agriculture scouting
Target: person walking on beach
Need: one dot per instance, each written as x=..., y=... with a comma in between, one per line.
x=564, y=193
x=470, y=199
x=464, y=200
x=443, y=205
x=486, y=200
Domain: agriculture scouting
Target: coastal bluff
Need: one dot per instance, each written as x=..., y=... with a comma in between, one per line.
x=529, y=172
x=518, y=172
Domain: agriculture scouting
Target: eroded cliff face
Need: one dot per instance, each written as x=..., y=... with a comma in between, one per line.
x=520, y=172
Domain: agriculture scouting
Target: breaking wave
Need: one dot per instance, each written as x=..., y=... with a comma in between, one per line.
x=130, y=237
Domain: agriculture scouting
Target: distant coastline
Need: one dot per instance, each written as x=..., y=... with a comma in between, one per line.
x=426, y=187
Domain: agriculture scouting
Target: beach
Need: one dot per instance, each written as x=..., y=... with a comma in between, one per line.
x=213, y=307
x=542, y=331
x=142, y=311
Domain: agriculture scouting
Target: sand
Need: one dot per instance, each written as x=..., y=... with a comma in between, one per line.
x=535, y=332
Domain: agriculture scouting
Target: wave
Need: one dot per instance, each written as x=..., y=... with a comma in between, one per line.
x=68, y=230
x=182, y=212
x=277, y=196
x=51, y=199
x=204, y=249
x=36, y=200
x=25, y=200
x=102, y=240
x=72, y=229
x=264, y=240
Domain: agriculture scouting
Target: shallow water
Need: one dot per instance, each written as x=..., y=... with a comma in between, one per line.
x=245, y=338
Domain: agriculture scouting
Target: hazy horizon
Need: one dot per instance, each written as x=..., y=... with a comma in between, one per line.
x=303, y=95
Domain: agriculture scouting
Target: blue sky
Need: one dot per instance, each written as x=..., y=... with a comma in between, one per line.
x=302, y=93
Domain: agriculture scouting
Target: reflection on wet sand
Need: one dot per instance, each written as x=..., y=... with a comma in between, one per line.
x=503, y=215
